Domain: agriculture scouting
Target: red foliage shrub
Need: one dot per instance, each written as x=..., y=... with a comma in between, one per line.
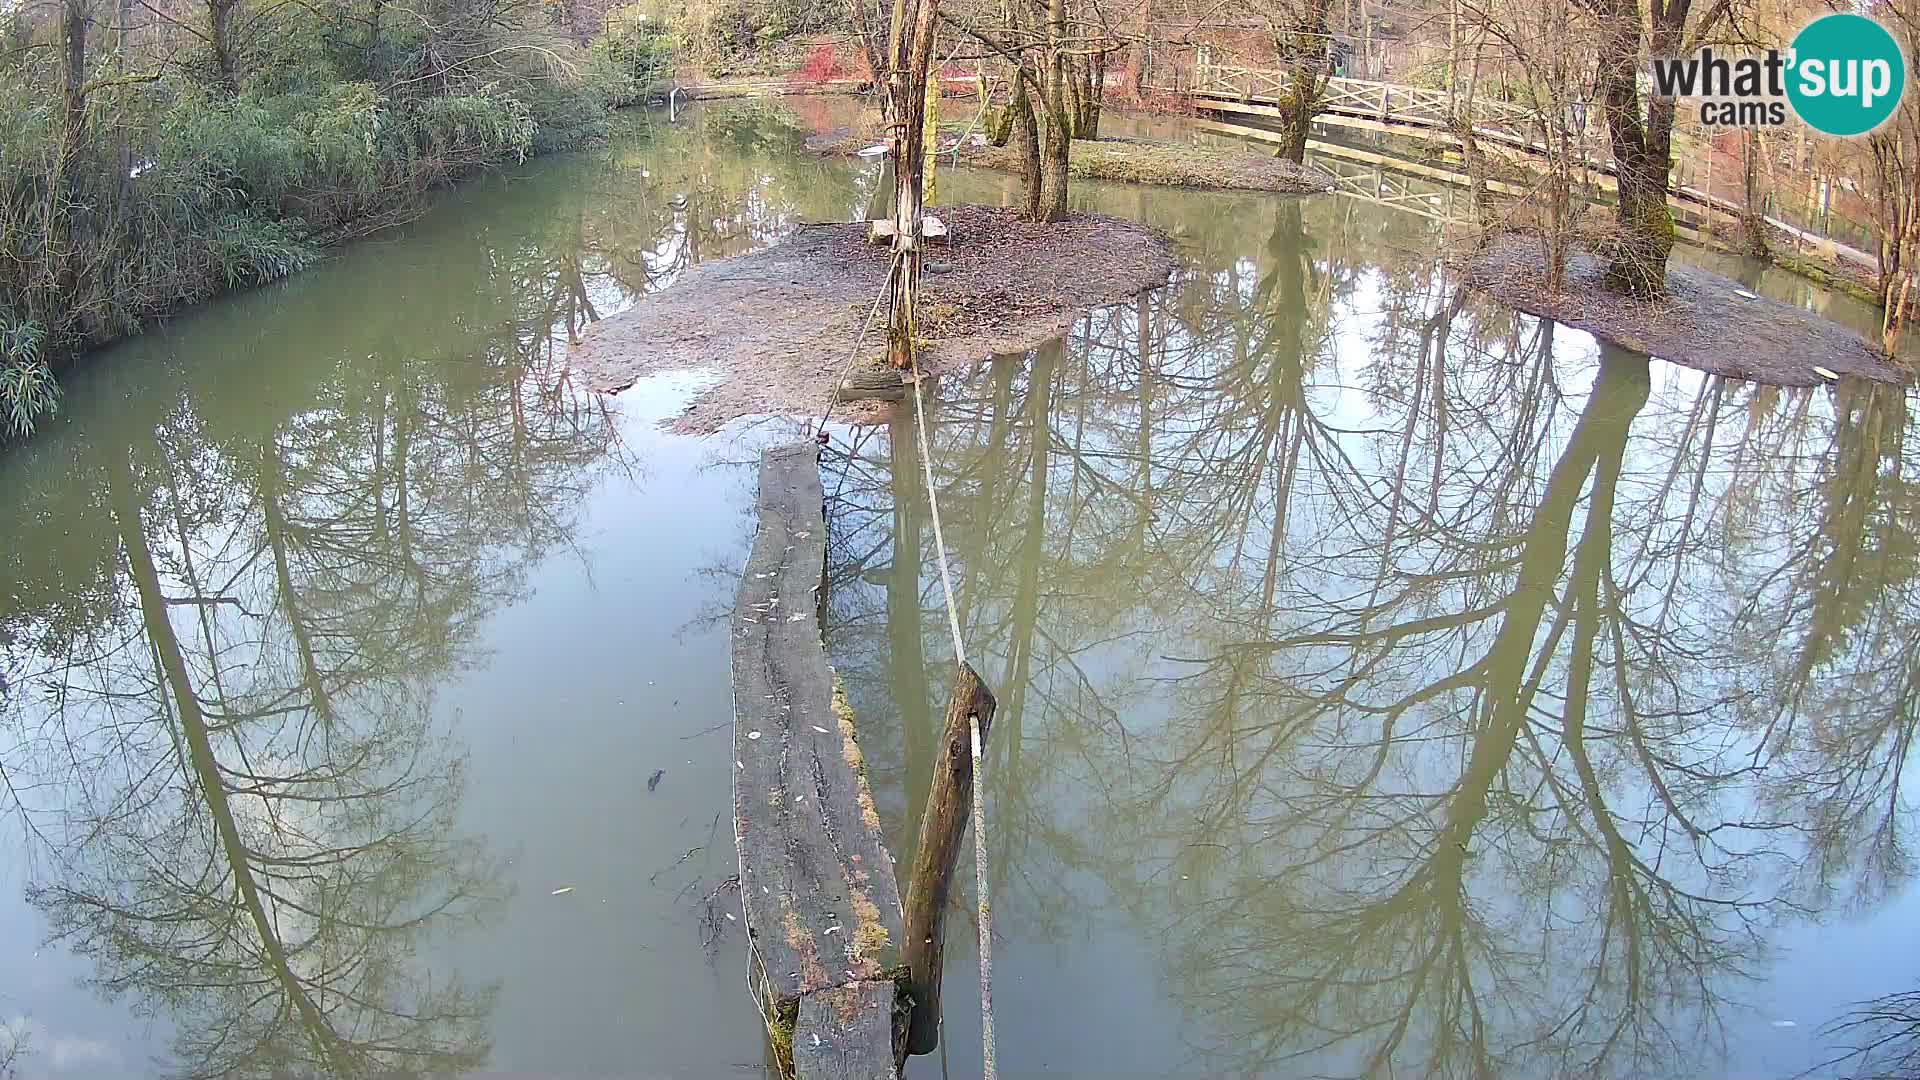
x=823, y=65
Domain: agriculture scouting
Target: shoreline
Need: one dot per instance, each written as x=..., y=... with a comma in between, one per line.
x=779, y=326
x=1117, y=159
x=1707, y=321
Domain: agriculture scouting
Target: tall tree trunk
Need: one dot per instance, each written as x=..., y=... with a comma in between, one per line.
x=907, y=86
x=1090, y=127
x=1143, y=65
x=1366, y=43
x=1027, y=130
x=49, y=300
x=122, y=44
x=870, y=41
x=1087, y=77
x=1076, y=93
x=1056, y=144
x=220, y=43
x=1752, y=221
x=1641, y=151
x=74, y=20
x=1896, y=281
x=1055, y=149
x=1306, y=47
x=1000, y=122
x=376, y=39
x=577, y=29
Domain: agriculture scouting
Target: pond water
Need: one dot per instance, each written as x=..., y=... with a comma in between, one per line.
x=1388, y=683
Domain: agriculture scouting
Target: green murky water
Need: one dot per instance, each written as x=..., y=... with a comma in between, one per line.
x=1389, y=684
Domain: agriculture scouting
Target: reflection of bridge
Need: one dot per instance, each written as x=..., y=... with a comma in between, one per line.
x=1412, y=187
x=1241, y=98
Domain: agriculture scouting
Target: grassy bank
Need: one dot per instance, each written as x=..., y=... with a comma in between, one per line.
x=1123, y=160
x=188, y=161
x=1138, y=161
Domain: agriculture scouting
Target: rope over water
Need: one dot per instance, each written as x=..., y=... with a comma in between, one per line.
x=989, y=1067
x=853, y=354
x=990, y=1070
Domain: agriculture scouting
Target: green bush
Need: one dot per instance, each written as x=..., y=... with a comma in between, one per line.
x=27, y=389
x=253, y=251
x=569, y=114
x=174, y=193
x=242, y=153
x=454, y=134
x=715, y=31
x=638, y=49
x=340, y=136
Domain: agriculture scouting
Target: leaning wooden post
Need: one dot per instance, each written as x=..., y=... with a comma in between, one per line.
x=949, y=802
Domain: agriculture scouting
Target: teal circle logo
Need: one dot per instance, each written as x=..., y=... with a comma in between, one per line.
x=1847, y=75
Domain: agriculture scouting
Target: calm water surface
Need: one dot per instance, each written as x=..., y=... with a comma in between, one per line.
x=1390, y=685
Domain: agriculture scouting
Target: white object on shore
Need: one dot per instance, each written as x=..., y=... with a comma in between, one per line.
x=1826, y=373
x=876, y=150
x=1744, y=294
x=931, y=228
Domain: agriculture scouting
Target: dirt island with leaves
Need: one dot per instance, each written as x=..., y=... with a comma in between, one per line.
x=780, y=329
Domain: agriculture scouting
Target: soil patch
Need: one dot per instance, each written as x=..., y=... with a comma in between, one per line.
x=1706, y=321
x=776, y=327
x=1133, y=161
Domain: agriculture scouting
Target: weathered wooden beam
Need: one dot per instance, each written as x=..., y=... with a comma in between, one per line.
x=949, y=802
x=871, y=382
x=816, y=884
x=846, y=1033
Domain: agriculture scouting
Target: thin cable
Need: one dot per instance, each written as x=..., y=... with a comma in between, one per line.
x=933, y=501
x=854, y=354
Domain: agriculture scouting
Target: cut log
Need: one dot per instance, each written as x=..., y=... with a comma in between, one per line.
x=873, y=382
x=949, y=802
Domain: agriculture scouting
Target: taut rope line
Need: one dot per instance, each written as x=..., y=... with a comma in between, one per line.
x=980, y=882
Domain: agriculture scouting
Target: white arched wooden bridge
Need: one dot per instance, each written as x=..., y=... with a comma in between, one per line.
x=1241, y=97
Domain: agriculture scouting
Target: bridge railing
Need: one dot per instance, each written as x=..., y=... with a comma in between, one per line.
x=1396, y=103
x=1366, y=102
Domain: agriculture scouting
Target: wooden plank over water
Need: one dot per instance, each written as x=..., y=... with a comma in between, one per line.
x=816, y=883
x=846, y=1033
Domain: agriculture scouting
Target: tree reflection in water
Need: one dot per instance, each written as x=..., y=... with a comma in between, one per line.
x=1440, y=696
x=224, y=746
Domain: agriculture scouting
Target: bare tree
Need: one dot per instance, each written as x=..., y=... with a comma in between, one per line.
x=1641, y=135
